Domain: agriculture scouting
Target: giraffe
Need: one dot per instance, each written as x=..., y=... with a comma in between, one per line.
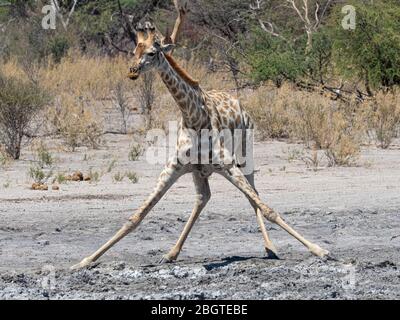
x=200, y=109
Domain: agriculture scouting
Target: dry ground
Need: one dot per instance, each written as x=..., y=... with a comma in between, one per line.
x=353, y=212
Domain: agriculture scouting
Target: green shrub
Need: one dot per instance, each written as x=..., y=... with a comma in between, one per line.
x=43, y=156
x=135, y=152
x=132, y=176
x=274, y=59
x=58, y=48
x=118, y=177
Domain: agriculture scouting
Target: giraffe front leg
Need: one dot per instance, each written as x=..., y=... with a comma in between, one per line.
x=203, y=195
x=235, y=176
x=167, y=178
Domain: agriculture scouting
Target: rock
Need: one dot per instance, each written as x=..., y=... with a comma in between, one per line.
x=39, y=186
x=77, y=176
x=87, y=178
x=35, y=186
x=55, y=188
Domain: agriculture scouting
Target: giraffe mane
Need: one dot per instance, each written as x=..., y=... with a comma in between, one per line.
x=181, y=72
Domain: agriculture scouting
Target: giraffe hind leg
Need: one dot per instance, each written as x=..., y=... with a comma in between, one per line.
x=236, y=177
x=270, y=248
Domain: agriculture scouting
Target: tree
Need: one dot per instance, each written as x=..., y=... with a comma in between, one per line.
x=370, y=52
x=290, y=41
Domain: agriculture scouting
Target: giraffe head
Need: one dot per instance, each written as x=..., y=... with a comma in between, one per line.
x=148, y=50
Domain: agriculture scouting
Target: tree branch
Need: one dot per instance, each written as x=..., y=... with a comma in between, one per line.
x=270, y=30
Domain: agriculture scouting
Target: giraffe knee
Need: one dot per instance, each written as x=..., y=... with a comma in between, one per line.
x=203, y=198
x=133, y=221
x=269, y=214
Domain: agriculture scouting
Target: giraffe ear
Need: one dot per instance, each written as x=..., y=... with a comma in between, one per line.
x=167, y=47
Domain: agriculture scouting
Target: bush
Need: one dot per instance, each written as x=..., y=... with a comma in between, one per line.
x=20, y=103
x=268, y=109
x=315, y=120
x=4, y=157
x=383, y=118
x=274, y=59
x=325, y=124
x=132, y=176
x=121, y=103
x=118, y=177
x=135, y=152
x=76, y=125
x=58, y=48
x=37, y=174
x=43, y=156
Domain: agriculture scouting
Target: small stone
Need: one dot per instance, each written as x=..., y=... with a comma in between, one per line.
x=77, y=176
x=39, y=186
x=55, y=188
x=35, y=186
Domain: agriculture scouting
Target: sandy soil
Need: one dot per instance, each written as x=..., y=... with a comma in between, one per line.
x=353, y=212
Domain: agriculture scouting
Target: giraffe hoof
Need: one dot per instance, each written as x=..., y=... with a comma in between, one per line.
x=319, y=252
x=271, y=254
x=165, y=259
x=83, y=264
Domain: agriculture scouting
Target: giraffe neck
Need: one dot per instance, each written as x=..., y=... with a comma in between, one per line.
x=187, y=95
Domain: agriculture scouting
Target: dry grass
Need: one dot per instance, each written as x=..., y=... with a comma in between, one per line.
x=334, y=128
x=315, y=120
x=75, y=123
x=383, y=117
x=85, y=77
x=269, y=110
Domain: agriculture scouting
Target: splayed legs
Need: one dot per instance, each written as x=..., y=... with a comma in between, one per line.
x=236, y=177
x=167, y=178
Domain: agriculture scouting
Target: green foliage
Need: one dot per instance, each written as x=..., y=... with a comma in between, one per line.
x=58, y=47
x=272, y=58
x=129, y=3
x=318, y=60
x=94, y=175
x=371, y=51
x=37, y=174
x=132, y=176
x=111, y=165
x=94, y=19
x=135, y=152
x=118, y=177
x=60, y=178
x=43, y=156
x=276, y=59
